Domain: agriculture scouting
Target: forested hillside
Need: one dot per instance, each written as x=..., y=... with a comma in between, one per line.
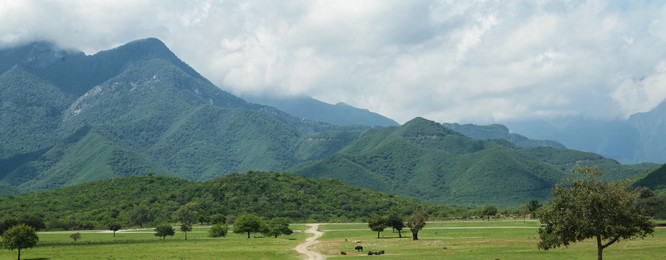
x=99, y=203
x=426, y=160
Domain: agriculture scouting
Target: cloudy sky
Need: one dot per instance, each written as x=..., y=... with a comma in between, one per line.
x=449, y=61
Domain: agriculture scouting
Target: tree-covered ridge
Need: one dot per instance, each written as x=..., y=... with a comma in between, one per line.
x=423, y=159
x=655, y=180
x=268, y=195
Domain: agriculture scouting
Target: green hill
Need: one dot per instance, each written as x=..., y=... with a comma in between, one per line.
x=423, y=159
x=265, y=194
x=655, y=180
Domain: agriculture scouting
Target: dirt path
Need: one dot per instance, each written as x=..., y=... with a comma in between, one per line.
x=303, y=247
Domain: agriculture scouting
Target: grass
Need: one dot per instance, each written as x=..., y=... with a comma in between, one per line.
x=143, y=244
x=450, y=240
x=476, y=240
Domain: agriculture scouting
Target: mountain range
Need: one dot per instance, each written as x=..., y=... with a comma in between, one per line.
x=68, y=118
x=309, y=108
x=639, y=138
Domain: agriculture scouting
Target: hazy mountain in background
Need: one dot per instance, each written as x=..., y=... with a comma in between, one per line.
x=638, y=139
x=312, y=109
x=497, y=131
x=651, y=129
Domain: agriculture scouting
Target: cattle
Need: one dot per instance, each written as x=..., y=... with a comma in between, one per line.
x=357, y=241
x=343, y=253
x=381, y=252
x=359, y=248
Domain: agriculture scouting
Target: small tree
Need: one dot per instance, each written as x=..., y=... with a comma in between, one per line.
x=488, y=211
x=114, y=227
x=396, y=222
x=416, y=222
x=164, y=230
x=533, y=206
x=75, y=236
x=591, y=208
x=377, y=223
x=278, y=226
x=247, y=223
x=140, y=215
x=185, y=228
x=19, y=237
x=218, y=230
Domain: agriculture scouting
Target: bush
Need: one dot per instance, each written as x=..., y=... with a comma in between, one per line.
x=218, y=231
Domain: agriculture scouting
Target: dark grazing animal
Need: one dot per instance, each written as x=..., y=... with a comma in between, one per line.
x=359, y=248
x=343, y=253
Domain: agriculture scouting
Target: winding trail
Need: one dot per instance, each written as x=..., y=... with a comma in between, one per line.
x=303, y=247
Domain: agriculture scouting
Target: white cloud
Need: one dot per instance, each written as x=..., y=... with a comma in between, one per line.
x=464, y=61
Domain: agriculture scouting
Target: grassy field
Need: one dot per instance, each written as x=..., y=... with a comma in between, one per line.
x=476, y=240
x=450, y=240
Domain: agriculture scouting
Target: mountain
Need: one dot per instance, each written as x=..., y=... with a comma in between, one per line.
x=651, y=141
x=426, y=160
x=497, y=131
x=636, y=139
x=69, y=118
x=312, y=109
x=268, y=195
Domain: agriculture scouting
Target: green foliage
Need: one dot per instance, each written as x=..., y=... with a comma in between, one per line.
x=416, y=222
x=185, y=227
x=276, y=227
x=114, y=227
x=488, y=211
x=590, y=208
x=75, y=236
x=127, y=200
x=218, y=230
x=396, y=222
x=248, y=223
x=140, y=215
x=19, y=237
x=164, y=230
x=218, y=219
x=377, y=223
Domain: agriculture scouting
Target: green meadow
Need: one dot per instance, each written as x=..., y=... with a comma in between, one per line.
x=439, y=240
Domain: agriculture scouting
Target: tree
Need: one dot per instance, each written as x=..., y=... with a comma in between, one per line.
x=164, y=231
x=534, y=205
x=140, y=215
x=114, y=227
x=247, y=223
x=19, y=237
x=187, y=213
x=488, y=211
x=591, y=208
x=218, y=230
x=75, y=236
x=396, y=222
x=377, y=223
x=278, y=226
x=185, y=228
x=218, y=219
x=416, y=222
